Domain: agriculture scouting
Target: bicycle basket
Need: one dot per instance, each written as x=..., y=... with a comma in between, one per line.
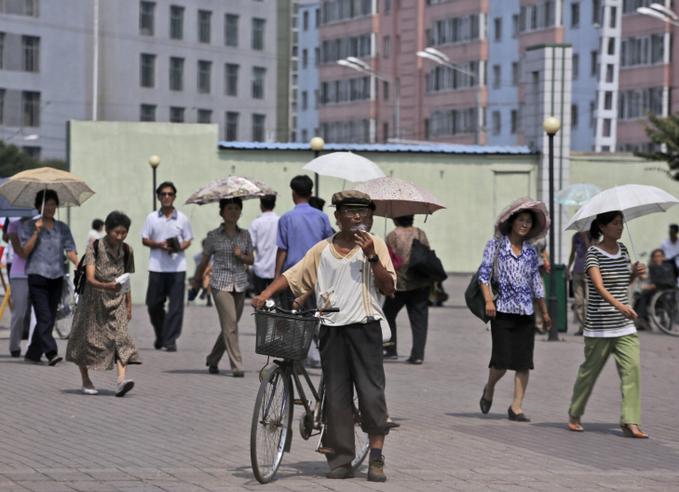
x=283, y=335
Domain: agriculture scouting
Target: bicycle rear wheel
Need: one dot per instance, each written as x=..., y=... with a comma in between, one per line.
x=361, y=441
x=664, y=312
x=64, y=318
x=271, y=422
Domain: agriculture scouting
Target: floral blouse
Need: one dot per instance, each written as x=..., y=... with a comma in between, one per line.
x=519, y=276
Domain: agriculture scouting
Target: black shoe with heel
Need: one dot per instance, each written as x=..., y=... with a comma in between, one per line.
x=485, y=404
x=516, y=417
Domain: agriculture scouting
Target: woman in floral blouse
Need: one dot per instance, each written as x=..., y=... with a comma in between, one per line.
x=512, y=318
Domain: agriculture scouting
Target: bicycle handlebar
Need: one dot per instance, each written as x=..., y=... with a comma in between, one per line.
x=271, y=306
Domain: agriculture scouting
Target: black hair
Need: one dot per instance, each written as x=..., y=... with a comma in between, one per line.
x=317, y=202
x=657, y=250
x=166, y=184
x=115, y=219
x=227, y=201
x=97, y=224
x=513, y=217
x=404, y=220
x=302, y=185
x=602, y=220
x=49, y=195
x=268, y=202
x=675, y=228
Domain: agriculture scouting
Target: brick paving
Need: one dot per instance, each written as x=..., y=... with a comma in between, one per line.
x=183, y=430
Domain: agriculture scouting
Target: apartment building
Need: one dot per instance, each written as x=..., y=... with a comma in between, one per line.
x=309, y=19
x=620, y=68
x=182, y=61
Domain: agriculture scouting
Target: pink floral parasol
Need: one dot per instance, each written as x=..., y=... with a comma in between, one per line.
x=231, y=187
x=395, y=197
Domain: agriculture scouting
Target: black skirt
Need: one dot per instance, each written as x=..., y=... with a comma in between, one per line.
x=513, y=341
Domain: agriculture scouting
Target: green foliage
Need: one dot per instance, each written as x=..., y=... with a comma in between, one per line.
x=13, y=160
x=663, y=131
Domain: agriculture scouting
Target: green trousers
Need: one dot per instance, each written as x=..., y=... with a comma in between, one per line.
x=625, y=351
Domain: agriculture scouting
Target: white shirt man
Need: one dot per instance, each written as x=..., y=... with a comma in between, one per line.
x=263, y=232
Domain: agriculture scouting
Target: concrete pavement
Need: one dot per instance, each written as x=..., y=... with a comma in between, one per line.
x=182, y=429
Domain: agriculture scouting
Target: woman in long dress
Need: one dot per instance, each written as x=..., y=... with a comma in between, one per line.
x=99, y=338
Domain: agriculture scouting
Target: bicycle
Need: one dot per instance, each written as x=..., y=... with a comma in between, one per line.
x=64, y=318
x=664, y=310
x=287, y=336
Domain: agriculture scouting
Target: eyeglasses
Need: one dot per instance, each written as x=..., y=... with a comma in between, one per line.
x=350, y=212
x=165, y=193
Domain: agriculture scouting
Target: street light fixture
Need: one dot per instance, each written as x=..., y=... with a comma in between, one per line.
x=361, y=66
x=154, y=162
x=438, y=57
x=317, y=144
x=551, y=125
x=661, y=12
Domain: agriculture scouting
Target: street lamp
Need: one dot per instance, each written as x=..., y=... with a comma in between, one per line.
x=660, y=12
x=551, y=125
x=436, y=56
x=361, y=66
x=154, y=162
x=317, y=144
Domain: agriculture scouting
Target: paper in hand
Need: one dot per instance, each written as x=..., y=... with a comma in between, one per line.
x=124, y=280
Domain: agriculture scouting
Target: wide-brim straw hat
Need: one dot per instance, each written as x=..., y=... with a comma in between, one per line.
x=539, y=209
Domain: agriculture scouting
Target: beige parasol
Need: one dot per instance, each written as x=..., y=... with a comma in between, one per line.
x=20, y=189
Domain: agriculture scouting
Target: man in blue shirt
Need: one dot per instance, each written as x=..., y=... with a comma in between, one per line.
x=300, y=228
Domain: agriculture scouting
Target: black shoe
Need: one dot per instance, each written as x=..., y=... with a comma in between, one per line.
x=171, y=348
x=392, y=425
x=485, y=404
x=390, y=355
x=238, y=374
x=209, y=301
x=203, y=294
x=212, y=369
x=157, y=345
x=192, y=294
x=415, y=362
x=521, y=417
x=55, y=360
x=376, y=470
x=15, y=353
x=340, y=473
x=32, y=361
x=578, y=333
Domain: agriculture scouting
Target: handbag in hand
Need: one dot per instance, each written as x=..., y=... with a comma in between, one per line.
x=424, y=263
x=473, y=296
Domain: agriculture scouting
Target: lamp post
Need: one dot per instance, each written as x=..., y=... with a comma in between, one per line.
x=361, y=66
x=154, y=162
x=551, y=125
x=317, y=144
x=441, y=58
x=661, y=12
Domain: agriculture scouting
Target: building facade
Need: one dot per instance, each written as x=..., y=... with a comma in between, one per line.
x=308, y=60
x=181, y=61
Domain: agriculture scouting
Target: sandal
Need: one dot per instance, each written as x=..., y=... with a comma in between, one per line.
x=627, y=432
x=575, y=427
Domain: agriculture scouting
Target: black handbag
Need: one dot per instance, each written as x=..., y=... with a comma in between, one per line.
x=424, y=263
x=473, y=296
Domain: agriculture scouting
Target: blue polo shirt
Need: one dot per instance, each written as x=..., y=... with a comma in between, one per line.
x=299, y=230
x=47, y=257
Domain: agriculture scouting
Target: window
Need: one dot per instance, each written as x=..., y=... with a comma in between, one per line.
x=610, y=72
x=30, y=51
x=176, y=114
x=30, y=103
x=147, y=12
x=575, y=69
x=516, y=74
x=498, y=28
x=497, y=123
x=611, y=46
x=385, y=132
x=258, y=34
x=34, y=152
x=608, y=100
x=387, y=6
x=204, y=68
x=339, y=10
x=514, y=123
x=596, y=12
x=258, y=74
x=359, y=46
x=305, y=20
x=386, y=44
x=442, y=78
x=592, y=114
x=305, y=58
x=305, y=100
x=147, y=70
x=345, y=90
x=575, y=14
x=2, y=50
x=385, y=90
x=643, y=50
x=633, y=104
x=32, y=8
x=2, y=106
x=537, y=16
x=594, y=63
x=258, y=127
x=231, y=30
x=613, y=17
x=574, y=115
x=607, y=127
x=497, y=74
x=455, y=30
x=176, y=22
x=231, y=79
x=231, y=126
x=515, y=26
x=147, y=112
x=204, y=17
x=204, y=116
x=305, y=135
x=176, y=74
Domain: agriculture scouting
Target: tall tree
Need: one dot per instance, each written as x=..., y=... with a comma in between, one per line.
x=13, y=160
x=664, y=133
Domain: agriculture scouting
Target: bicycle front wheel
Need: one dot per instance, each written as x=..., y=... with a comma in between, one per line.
x=271, y=422
x=361, y=441
x=664, y=312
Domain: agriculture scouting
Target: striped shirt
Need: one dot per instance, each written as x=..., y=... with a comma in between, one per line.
x=602, y=319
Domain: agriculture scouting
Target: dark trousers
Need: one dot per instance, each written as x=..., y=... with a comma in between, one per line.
x=260, y=283
x=45, y=294
x=162, y=286
x=351, y=356
x=415, y=302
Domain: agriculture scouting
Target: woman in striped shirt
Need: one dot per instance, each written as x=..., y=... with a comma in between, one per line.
x=609, y=324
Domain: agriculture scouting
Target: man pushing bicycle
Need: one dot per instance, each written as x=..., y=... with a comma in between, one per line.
x=352, y=271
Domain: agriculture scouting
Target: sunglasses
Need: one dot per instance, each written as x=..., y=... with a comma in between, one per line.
x=165, y=193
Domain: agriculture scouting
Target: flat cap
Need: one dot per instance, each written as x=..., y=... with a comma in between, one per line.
x=351, y=197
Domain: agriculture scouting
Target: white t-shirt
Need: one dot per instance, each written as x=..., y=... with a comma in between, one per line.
x=159, y=228
x=263, y=232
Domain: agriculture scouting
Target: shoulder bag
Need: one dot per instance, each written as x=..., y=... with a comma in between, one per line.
x=424, y=263
x=473, y=296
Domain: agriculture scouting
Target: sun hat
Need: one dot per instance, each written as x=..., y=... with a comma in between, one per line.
x=539, y=209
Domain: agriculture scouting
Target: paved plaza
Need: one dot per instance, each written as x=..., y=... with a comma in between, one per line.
x=184, y=430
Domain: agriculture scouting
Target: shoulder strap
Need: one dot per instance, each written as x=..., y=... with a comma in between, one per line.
x=497, y=248
x=126, y=255
x=95, y=245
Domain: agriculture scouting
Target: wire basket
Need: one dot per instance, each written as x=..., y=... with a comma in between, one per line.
x=284, y=336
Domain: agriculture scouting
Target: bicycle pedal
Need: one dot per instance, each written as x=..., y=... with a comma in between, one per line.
x=326, y=450
x=298, y=401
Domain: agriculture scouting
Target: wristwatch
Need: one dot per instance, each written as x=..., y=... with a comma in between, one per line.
x=373, y=258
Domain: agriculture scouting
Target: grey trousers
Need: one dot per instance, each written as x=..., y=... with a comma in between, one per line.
x=21, y=312
x=229, y=308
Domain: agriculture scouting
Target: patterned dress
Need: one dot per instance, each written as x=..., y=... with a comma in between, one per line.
x=99, y=329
